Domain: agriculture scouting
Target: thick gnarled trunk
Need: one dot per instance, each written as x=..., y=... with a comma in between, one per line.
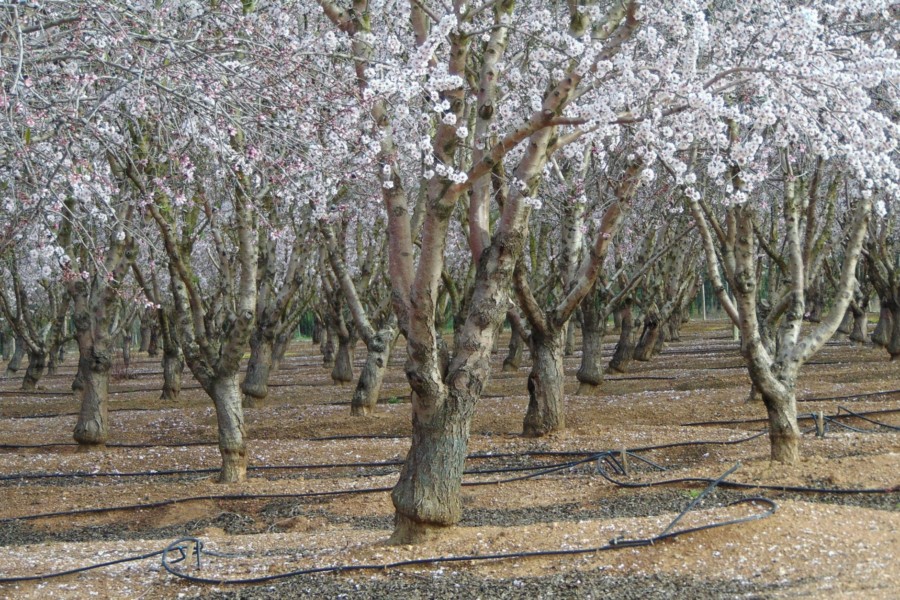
x=593, y=328
x=15, y=359
x=784, y=433
x=256, y=381
x=37, y=363
x=649, y=340
x=172, y=367
x=378, y=356
x=92, y=428
x=342, y=372
x=427, y=494
x=226, y=397
x=546, y=411
x=624, y=351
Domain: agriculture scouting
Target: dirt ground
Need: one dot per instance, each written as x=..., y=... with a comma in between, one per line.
x=830, y=543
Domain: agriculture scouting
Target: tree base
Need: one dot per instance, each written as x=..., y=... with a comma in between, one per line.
x=361, y=410
x=234, y=466
x=87, y=447
x=509, y=368
x=588, y=389
x=785, y=448
x=407, y=531
x=249, y=401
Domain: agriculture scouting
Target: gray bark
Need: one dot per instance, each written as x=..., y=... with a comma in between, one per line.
x=378, y=356
x=226, y=397
x=15, y=360
x=546, y=411
x=624, y=352
x=593, y=328
x=256, y=381
x=37, y=363
x=92, y=428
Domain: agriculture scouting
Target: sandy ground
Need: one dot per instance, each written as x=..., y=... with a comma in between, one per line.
x=834, y=544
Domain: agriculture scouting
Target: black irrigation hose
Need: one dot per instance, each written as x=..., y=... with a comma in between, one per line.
x=180, y=547
x=850, y=397
x=90, y=567
x=748, y=486
x=860, y=416
x=805, y=417
x=613, y=544
x=531, y=453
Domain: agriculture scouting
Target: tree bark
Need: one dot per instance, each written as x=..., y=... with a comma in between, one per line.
x=343, y=362
x=546, y=412
x=846, y=325
x=256, y=381
x=784, y=433
x=570, y=338
x=893, y=345
x=173, y=367
x=37, y=363
x=378, y=356
x=92, y=428
x=883, y=328
x=327, y=347
x=282, y=340
x=646, y=345
x=427, y=495
x=230, y=419
x=153, y=342
x=593, y=328
x=513, y=359
x=15, y=360
x=624, y=351
x=860, y=323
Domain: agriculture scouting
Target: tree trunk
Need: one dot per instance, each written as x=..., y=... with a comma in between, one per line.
x=53, y=360
x=546, y=412
x=846, y=323
x=5, y=342
x=146, y=328
x=15, y=360
x=62, y=353
x=256, y=381
x=646, y=345
x=593, y=328
x=893, y=345
x=378, y=356
x=153, y=342
x=126, y=352
x=279, y=349
x=426, y=497
x=784, y=434
x=570, y=338
x=624, y=351
x=860, y=324
x=883, y=328
x=173, y=367
x=343, y=363
x=316, y=335
x=513, y=359
x=327, y=348
x=37, y=362
x=230, y=418
x=92, y=428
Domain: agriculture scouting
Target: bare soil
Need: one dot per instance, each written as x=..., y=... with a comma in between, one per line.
x=816, y=544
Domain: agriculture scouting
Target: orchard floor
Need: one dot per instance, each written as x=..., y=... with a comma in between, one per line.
x=815, y=545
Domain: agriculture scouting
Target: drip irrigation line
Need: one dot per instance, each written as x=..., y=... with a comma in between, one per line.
x=747, y=486
x=180, y=547
x=806, y=417
x=613, y=544
x=95, y=566
x=860, y=416
x=850, y=397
